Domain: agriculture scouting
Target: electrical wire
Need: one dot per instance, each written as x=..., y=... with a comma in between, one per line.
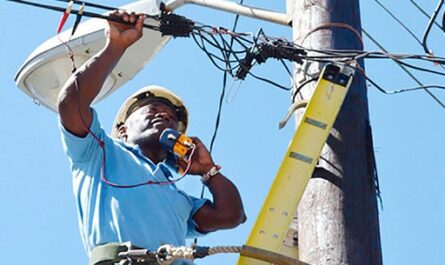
x=428, y=28
x=220, y=105
x=399, y=21
x=303, y=84
x=90, y=4
x=435, y=98
x=426, y=14
x=229, y=59
x=85, y=13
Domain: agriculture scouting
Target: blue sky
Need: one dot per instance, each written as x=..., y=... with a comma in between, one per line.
x=38, y=219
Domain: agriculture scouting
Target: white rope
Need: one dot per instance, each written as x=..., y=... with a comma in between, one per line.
x=224, y=249
x=167, y=254
x=173, y=253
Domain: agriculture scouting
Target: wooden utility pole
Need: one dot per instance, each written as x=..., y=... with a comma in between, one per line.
x=338, y=215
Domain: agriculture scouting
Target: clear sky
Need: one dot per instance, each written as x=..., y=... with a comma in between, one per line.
x=38, y=219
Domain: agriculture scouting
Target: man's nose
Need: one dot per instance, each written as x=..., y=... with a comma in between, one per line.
x=162, y=115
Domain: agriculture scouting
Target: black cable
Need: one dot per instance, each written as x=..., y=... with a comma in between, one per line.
x=428, y=28
x=228, y=50
x=216, y=44
x=226, y=53
x=104, y=7
x=209, y=55
x=399, y=21
x=85, y=13
x=223, y=91
x=204, y=49
x=270, y=82
x=422, y=69
x=286, y=67
x=344, y=56
x=218, y=115
x=403, y=90
x=406, y=70
x=298, y=89
x=426, y=14
x=89, y=4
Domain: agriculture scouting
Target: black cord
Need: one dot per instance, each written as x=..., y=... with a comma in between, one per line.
x=221, y=100
x=404, y=90
x=426, y=14
x=89, y=4
x=298, y=89
x=229, y=56
x=104, y=7
x=435, y=98
x=209, y=55
x=85, y=13
x=428, y=28
x=270, y=82
x=216, y=44
x=399, y=21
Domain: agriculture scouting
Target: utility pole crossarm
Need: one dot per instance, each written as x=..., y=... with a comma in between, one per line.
x=228, y=6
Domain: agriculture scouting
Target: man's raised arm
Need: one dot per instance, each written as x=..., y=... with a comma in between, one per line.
x=82, y=87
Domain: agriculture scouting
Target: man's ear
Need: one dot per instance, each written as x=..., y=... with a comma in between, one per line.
x=122, y=132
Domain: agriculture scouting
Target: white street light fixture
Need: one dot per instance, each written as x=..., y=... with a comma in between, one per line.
x=46, y=70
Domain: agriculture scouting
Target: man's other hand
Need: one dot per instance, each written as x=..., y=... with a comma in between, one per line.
x=202, y=161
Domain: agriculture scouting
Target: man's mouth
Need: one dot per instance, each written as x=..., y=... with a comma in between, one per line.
x=159, y=120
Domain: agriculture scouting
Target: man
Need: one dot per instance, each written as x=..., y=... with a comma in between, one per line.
x=154, y=211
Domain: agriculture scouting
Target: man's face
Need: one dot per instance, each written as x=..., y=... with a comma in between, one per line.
x=148, y=121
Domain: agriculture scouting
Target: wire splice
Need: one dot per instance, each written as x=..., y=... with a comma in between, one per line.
x=275, y=48
x=175, y=25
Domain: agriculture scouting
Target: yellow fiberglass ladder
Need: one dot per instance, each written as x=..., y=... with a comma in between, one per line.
x=299, y=162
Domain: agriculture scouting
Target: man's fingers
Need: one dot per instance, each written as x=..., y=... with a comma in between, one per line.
x=125, y=17
x=133, y=17
x=140, y=22
x=196, y=141
x=114, y=13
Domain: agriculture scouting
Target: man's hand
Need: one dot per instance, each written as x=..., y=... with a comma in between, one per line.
x=202, y=161
x=122, y=34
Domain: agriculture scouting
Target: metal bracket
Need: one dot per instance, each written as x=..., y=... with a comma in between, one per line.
x=259, y=13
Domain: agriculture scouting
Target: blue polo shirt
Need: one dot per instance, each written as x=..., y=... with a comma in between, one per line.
x=148, y=216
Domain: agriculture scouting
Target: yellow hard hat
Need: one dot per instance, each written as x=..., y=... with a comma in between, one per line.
x=148, y=93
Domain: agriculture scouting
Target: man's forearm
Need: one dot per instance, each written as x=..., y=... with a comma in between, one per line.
x=228, y=210
x=83, y=87
x=92, y=75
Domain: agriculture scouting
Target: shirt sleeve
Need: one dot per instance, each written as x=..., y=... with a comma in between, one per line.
x=81, y=149
x=192, y=226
